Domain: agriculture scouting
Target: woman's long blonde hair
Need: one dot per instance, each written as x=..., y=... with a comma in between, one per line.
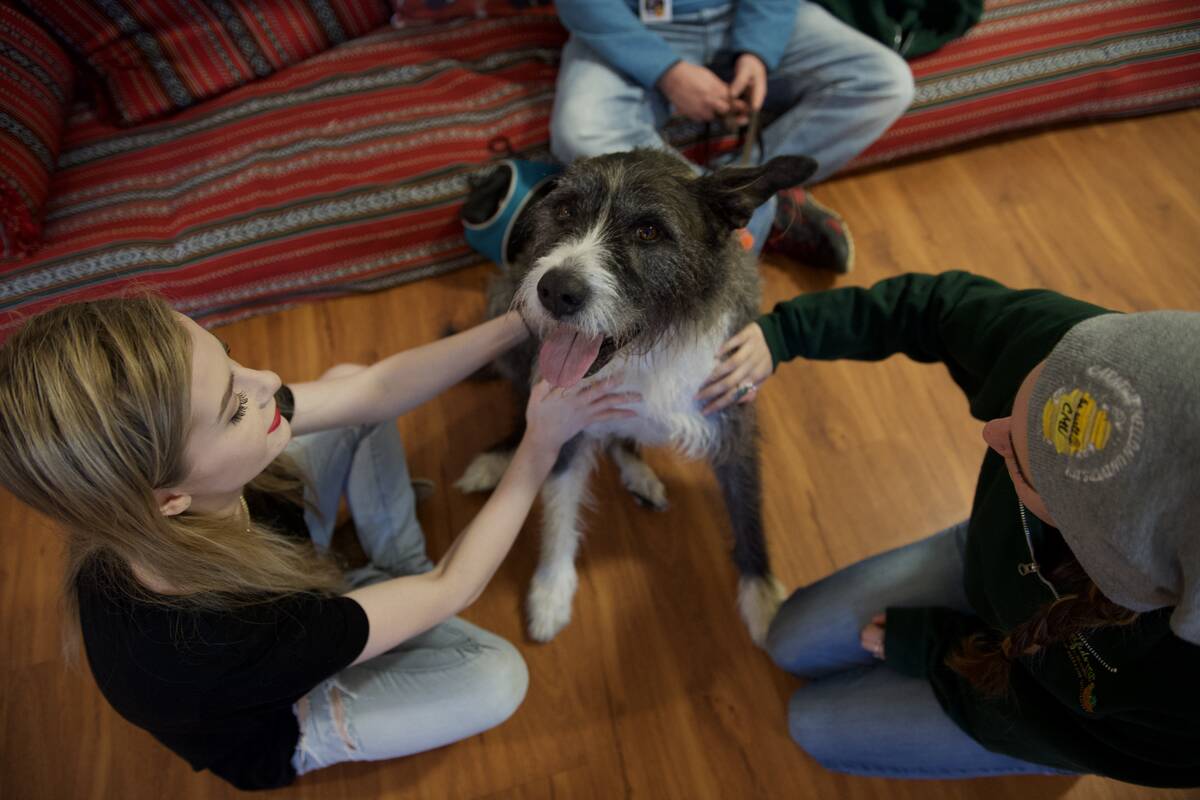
x=95, y=399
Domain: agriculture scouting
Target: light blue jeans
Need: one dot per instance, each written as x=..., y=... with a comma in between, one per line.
x=446, y=684
x=857, y=715
x=833, y=94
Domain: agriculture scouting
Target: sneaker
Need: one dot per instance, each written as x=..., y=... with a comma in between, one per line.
x=810, y=233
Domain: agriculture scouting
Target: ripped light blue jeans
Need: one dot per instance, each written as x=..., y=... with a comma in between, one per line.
x=446, y=684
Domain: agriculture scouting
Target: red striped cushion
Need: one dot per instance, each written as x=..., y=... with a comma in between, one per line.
x=341, y=174
x=158, y=56
x=426, y=12
x=1035, y=62
x=345, y=173
x=36, y=78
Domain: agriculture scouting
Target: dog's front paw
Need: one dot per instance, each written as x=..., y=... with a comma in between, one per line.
x=549, y=603
x=484, y=472
x=758, y=599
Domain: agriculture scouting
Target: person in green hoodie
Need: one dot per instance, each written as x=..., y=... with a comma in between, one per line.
x=1057, y=629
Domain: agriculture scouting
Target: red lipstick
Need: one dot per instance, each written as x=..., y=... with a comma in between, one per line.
x=275, y=422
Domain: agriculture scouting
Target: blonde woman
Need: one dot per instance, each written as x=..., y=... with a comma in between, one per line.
x=198, y=498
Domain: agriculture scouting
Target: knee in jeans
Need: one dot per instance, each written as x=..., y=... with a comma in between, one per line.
x=776, y=645
x=812, y=722
x=894, y=78
x=502, y=683
x=791, y=634
x=578, y=129
x=902, y=80
x=571, y=133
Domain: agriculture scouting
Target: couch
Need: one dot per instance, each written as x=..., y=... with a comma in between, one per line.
x=336, y=161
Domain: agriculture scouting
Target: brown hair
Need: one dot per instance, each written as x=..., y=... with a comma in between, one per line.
x=986, y=659
x=95, y=399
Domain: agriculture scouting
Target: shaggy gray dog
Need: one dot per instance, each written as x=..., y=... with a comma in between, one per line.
x=633, y=266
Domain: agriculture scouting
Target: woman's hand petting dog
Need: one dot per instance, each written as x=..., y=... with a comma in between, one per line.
x=871, y=637
x=554, y=416
x=744, y=362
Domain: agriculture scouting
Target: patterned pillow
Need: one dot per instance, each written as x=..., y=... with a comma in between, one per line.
x=158, y=56
x=425, y=12
x=36, y=78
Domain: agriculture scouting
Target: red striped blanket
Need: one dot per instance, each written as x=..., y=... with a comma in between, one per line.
x=345, y=172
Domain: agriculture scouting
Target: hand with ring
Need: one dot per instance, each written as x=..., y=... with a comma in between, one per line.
x=744, y=388
x=744, y=362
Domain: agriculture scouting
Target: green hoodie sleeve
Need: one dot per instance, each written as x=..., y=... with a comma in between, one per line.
x=987, y=335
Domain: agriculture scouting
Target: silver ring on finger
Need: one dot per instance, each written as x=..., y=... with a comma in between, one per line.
x=744, y=388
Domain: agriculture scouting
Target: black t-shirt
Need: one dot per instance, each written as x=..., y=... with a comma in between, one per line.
x=218, y=687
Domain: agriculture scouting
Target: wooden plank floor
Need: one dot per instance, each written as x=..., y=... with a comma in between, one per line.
x=654, y=690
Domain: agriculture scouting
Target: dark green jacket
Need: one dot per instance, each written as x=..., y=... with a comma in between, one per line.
x=1066, y=709
x=910, y=27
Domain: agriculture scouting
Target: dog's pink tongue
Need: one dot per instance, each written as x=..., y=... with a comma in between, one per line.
x=566, y=356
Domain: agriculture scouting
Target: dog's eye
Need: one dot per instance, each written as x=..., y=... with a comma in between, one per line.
x=647, y=233
x=563, y=213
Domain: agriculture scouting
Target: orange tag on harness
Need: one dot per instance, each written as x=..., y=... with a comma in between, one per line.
x=745, y=239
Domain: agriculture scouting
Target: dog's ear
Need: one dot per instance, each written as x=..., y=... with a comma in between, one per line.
x=732, y=193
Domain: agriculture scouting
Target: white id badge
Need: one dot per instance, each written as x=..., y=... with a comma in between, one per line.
x=652, y=11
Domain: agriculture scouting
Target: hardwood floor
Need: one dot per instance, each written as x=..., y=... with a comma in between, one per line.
x=654, y=690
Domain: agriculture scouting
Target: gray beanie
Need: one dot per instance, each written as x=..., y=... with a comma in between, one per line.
x=1114, y=451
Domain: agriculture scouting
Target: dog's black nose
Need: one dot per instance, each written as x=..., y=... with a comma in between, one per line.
x=563, y=292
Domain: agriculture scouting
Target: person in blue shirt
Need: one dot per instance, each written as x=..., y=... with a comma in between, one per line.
x=826, y=90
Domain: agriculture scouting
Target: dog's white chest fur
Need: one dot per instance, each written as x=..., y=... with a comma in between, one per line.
x=668, y=378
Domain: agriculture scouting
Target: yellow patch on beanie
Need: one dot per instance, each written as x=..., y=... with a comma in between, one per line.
x=1074, y=423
